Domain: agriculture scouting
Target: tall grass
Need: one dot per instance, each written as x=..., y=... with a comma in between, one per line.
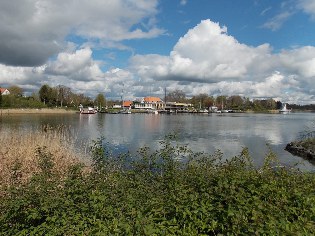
x=19, y=152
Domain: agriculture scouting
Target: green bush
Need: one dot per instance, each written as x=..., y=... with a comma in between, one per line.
x=170, y=191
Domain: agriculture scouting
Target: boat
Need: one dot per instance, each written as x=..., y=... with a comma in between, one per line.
x=284, y=109
x=213, y=109
x=203, y=111
x=149, y=111
x=125, y=111
x=89, y=110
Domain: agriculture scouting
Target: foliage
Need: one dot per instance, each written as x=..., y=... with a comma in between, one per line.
x=62, y=96
x=234, y=102
x=16, y=91
x=45, y=93
x=11, y=101
x=202, y=100
x=307, y=139
x=100, y=101
x=170, y=191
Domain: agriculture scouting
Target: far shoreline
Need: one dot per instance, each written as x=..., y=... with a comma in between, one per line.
x=15, y=111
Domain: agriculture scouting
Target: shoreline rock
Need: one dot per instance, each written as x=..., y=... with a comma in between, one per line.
x=295, y=148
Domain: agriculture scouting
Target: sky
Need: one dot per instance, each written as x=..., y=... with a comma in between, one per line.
x=258, y=49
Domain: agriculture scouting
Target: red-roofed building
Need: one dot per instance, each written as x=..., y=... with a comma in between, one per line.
x=127, y=104
x=4, y=91
x=150, y=103
x=152, y=99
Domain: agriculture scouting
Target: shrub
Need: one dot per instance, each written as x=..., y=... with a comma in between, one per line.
x=170, y=191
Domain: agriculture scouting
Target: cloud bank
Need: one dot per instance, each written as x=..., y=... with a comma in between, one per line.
x=32, y=31
x=221, y=65
x=35, y=49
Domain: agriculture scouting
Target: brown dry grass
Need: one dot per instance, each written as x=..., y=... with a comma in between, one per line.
x=20, y=148
x=36, y=111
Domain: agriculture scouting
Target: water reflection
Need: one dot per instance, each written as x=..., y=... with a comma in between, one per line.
x=227, y=132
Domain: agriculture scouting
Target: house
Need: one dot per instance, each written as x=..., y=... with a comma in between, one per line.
x=116, y=106
x=4, y=91
x=150, y=103
x=127, y=104
x=177, y=106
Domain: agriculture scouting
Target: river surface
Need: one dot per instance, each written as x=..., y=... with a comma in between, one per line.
x=203, y=132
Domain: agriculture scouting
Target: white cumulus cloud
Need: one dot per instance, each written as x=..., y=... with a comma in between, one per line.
x=208, y=60
x=206, y=54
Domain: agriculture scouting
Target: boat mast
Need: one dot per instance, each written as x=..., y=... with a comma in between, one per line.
x=122, y=99
x=164, y=98
x=122, y=96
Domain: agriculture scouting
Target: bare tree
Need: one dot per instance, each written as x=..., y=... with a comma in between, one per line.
x=63, y=94
x=176, y=96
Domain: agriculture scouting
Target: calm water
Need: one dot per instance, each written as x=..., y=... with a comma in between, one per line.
x=227, y=132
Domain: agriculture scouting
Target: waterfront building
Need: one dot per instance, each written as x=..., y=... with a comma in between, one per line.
x=149, y=103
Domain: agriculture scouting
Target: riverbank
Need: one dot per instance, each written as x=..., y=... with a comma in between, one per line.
x=36, y=111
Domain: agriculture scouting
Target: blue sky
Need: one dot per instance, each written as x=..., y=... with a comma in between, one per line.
x=252, y=48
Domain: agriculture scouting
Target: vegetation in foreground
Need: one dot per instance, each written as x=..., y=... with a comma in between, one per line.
x=157, y=193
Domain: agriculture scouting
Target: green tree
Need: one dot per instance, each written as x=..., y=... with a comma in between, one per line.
x=16, y=91
x=202, y=100
x=258, y=105
x=235, y=102
x=100, y=100
x=247, y=104
x=45, y=93
x=221, y=102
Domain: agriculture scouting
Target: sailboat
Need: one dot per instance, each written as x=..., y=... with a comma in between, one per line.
x=284, y=109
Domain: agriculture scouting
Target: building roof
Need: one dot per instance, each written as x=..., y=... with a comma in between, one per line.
x=127, y=103
x=152, y=99
x=2, y=90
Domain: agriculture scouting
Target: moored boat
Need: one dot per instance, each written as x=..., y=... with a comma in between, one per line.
x=284, y=109
x=89, y=110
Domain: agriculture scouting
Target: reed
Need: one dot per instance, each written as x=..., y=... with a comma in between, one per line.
x=19, y=148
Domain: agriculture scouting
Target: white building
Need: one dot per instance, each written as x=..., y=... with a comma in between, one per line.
x=4, y=91
x=149, y=103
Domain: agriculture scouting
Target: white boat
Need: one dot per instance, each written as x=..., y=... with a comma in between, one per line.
x=89, y=110
x=125, y=111
x=152, y=111
x=284, y=109
x=213, y=109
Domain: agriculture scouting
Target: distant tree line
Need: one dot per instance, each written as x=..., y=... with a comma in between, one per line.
x=235, y=102
x=16, y=99
x=59, y=96
x=62, y=96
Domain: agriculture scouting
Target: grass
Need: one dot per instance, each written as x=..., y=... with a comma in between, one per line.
x=308, y=143
x=152, y=193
